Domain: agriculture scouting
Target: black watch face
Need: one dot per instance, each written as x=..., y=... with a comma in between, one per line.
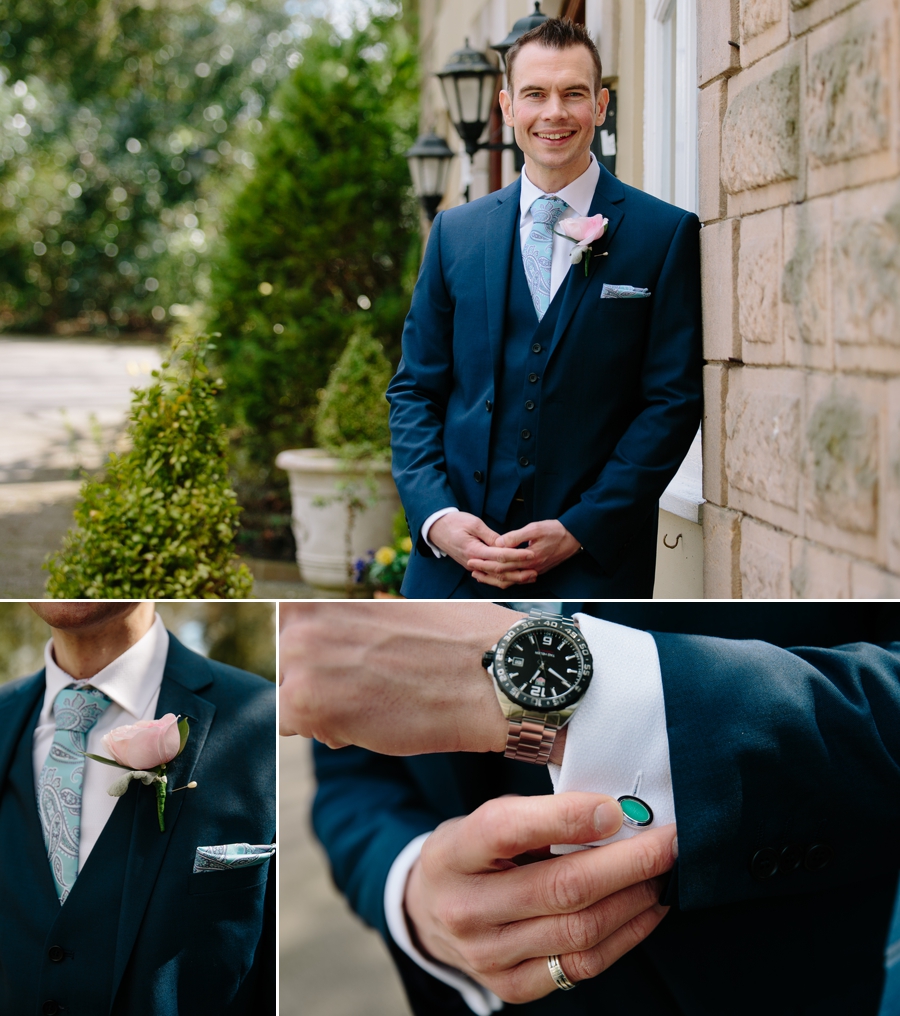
x=543, y=665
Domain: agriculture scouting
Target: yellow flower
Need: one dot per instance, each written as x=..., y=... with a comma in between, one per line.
x=406, y=544
x=385, y=555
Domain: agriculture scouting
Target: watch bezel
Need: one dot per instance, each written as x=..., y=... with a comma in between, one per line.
x=529, y=702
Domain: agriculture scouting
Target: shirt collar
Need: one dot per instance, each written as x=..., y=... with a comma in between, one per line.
x=578, y=194
x=130, y=680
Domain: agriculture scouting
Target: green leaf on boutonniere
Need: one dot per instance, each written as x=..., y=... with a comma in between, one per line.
x=183, y=730
x=105, y=761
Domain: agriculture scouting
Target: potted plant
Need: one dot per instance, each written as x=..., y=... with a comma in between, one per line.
x=342, y=494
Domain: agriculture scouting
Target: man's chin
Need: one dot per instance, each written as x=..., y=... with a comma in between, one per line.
x=79, y=615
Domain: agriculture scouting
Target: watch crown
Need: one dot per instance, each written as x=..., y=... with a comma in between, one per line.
x=487, y=658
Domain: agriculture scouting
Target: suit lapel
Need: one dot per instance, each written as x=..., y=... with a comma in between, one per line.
x=500, y=226
x=186, y=674
x=608, y=196
x=16, y=706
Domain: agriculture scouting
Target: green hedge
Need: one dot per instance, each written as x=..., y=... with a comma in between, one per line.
x=323, y=239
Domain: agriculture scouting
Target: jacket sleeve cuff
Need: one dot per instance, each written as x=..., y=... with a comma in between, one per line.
x=481, y=1001
x=617, y=742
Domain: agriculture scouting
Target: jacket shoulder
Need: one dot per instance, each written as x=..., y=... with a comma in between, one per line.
x=11, y=689
x=463, y=216
x=647, y=204
x=242, y=683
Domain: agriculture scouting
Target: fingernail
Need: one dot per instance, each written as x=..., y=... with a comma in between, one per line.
x=675, y=848
x=607, y=818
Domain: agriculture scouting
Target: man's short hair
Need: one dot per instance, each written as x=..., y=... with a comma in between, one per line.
x=556, y=33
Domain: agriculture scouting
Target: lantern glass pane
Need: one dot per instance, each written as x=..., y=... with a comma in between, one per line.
x=415, y=171
x=451, y=98
x=487, y=96
x=431, y=176
x=470, y=99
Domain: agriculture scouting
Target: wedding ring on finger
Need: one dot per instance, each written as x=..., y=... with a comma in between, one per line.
x=556, y=972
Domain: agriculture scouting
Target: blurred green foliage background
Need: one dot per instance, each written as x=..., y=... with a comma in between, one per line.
x=221, y=165
x=240, y=634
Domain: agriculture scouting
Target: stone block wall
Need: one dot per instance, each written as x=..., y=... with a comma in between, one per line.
x=800, y=199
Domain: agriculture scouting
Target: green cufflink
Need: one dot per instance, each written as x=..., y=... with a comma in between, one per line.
x=635, y=812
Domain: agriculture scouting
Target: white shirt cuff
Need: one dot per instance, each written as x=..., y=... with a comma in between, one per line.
x=478, y=999
x=426, y=529
x=617, y=742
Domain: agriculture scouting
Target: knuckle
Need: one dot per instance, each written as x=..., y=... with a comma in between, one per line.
x=564, y=889
x=481, y=955
x=512, y=987
x=648, y=856
x=582, y=930
x=453, y=914
x=584, y=965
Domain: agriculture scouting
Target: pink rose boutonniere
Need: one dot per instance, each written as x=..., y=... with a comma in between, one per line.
x=144, y=749
x=583, y=232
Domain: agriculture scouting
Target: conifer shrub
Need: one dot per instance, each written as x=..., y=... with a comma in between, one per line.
x=352, y=421
x=321, y=240
x=160, y=522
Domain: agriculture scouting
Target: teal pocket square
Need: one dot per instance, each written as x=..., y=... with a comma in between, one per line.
x=622, y=292
x=231, y=855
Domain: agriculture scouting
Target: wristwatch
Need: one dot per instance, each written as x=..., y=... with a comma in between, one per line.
x=541, y=669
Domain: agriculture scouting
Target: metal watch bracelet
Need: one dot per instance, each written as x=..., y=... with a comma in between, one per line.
x=531, y=734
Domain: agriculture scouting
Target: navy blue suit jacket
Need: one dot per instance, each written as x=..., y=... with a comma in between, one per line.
x=770, y=748
x=178, y=943
x=618, y=403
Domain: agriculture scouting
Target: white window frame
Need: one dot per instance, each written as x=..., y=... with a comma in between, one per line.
x=671, y=169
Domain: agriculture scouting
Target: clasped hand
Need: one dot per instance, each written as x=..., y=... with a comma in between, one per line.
x=474, y=907
x=499, y=560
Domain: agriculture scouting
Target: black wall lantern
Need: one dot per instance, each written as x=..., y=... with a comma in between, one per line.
x=469, y=82
x=429, y=161
x=522, y=26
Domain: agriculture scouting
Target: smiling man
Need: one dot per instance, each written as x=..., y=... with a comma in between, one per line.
x=547, y=395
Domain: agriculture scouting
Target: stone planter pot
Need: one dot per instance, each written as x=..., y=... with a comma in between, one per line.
x=319, y=516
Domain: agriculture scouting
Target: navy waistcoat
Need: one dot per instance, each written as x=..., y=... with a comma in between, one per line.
x=48, y=948
x=526, y=343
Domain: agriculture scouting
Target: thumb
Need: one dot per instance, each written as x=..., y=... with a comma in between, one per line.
x=513, y=538
x=482, y=532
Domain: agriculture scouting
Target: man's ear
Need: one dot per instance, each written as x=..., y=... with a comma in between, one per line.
x=506, y=107
x=602, y=104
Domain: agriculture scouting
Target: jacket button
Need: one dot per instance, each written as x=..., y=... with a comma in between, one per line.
x=488, y=405
x=523, y=461
x=764, y=864
x=56, y=953
x=536, y=348
x=50, y=1008
x=791, y=858
x=479, y=476
x=818, y=856
x=529, y=404
x=526, y=434
x=532, y=378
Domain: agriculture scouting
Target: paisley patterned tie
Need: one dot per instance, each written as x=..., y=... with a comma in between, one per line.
x=537, y=253
x=61, y=781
